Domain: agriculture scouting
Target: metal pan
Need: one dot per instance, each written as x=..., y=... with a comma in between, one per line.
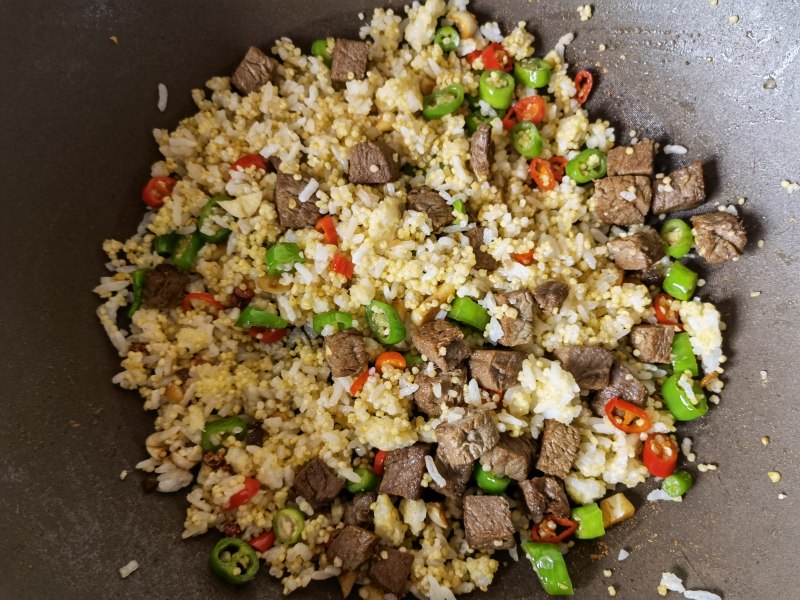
x=76, y=114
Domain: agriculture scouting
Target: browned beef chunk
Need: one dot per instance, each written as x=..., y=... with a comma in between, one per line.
x=633, y=160
x=255, y=70
x=317, y=483
x=390, y=570
x=450, y=388
x=164, y=287
x=622, y=385
x=483, y=260
x=349, y=60
x=456, y=478
x=487, y=523
x=511, y=457
x=637, y=251
x=719, y=237
x=589, y=365
x=559, y=447
x=622, y=200
x=291, y=212
x=517, y=330
x=358, y=512
x=442, y=343
x=353, y=546
x=481, y=151
x=373, y=163
x=462, y=442
x=432, y=204
x=680, y=190
x=652, y=343
x=653, y=275
x=545, y=496
x=551, y=295
x=496, y=370
x=346, y=353
x=403, y=470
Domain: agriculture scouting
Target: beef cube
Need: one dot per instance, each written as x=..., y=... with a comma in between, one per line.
x=353, y=546
x=390, y=570
x=450, y=388
x=719, y=237
x=483, y=260
x=481, y=151
x=633, y=160
x=403, y=470
x=456, y=478
x=545, y=496
x=652, y=343
x=621, y=385
x=359, y=511
x=622, y=200
x=433, y=205
x=164, y=287
x=462, y=442
x=317, y=483
x=558, y=448
x=291, y=212
x=589, y=365
x=255, y=70
x=346, y=353
x=442, y=343
x=496, y=370
x=637, y=251
x=511, y=457
x=680, y=190
x=517, y=330
x=349, y=60
x=373, y=163
x=551, y=295
x=487, y=523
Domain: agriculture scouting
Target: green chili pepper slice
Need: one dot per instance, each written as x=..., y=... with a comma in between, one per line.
x=683, y=358
x=186, y=250
x=257, y=317
x=342, y=320
x=137, y=279
x=532, y=72
x=460, y=211
x=590, y=521
x=368, y=482
x=475, y=120
x=385, y=323
x=496, y=88
x=288, y=525
x=443, y=102
x=322, y=49
x=215, y=432
x=677, y=234
x=550, y=566
x=677, y=484
x=526, y=139
x=467, y=311
x=164, y=245
x=678, y=401
x=490, y=482
x=587, y=166
x=447, y=38
x=234, y=561
x=412, y=359
x=210, y=231
x=282, y=257
x=680, y=282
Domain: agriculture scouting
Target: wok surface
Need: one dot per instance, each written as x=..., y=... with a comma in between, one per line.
x=77, y=113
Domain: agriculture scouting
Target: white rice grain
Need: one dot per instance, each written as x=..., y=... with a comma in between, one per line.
x=129, y=568
x=308, y=191
x=162, y=97
x=674, y=149
x=434, y=472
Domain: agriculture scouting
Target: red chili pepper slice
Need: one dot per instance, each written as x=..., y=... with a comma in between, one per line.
x=634, y=419
x=156, y=190
x=207, y=298
x=267, y=336
x=665, y=314
x=660, y=455
x=510, y=119
x=327, y=227
x=342, y=265
x=558, y=165
x=263, y=542
x=473, y=56
x=243, y=496
x=250, y=160
x=524, y=258
x=583, y=84
x=358, y=384
x=496, y=57
x=542, y=174
x=547, y=530
x=377, y=466
x=530, y=109
x=395, y=359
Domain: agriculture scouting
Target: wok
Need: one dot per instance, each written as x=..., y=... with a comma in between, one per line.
x=77, y=111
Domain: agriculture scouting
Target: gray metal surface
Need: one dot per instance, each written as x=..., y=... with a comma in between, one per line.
x=76, y=113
